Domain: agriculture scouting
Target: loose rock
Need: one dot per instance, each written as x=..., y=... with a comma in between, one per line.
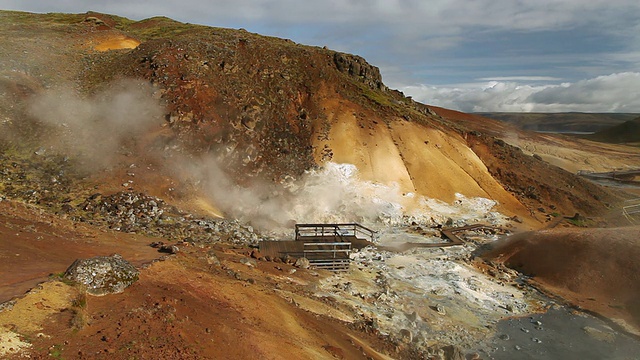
x=249, y=262
x=103, y=274
x=302, y=263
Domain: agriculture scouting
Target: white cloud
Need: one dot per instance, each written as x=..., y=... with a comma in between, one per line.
x=417, y=17
x=417, y=40
x=520, y=78
x=611, y=93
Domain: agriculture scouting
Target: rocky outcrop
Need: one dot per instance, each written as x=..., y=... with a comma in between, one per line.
x=130, y=211
x=357, y=66
x=103, y=275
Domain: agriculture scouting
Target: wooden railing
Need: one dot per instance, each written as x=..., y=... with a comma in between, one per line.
x=327, y=246
x=335, y=231
x=332, y=256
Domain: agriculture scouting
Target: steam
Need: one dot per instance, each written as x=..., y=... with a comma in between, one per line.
x=331, y=194
x=95, y=128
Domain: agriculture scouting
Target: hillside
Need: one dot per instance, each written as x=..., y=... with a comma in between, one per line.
x=572, y=122
x=180, y=147
x=627, y=132
x=261, y=110
x=580, y=266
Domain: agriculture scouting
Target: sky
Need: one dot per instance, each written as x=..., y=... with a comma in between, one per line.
x=468, y=55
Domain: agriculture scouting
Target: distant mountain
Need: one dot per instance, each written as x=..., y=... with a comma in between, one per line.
x=627, y=132
x=562, y=122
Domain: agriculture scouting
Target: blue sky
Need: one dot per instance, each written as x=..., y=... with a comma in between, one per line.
x=470, y=55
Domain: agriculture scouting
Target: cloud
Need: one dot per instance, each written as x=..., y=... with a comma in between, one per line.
x=431, y=42
x=402, y=17
x=520, y=78
x=611, y=93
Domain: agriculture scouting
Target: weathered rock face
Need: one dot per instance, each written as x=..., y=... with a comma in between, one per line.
x=103, y=275
x=357, y=66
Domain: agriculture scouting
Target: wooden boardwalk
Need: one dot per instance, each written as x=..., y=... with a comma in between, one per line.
x=326, y=246
x=449, y=235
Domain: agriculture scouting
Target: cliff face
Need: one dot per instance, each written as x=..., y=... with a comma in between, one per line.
x=265, y=108
x=264, y=98
x=358, y=67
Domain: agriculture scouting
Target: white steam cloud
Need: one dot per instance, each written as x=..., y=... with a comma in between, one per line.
x=332, y=194
x=99, y=127
x=95, y=128
x=610, y=93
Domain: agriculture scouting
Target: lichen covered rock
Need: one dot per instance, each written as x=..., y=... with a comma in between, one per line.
x=103, y=275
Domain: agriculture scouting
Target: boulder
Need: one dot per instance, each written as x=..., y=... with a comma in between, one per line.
x=452, y=352
x=302, y=263
x=212, y=259
x=249, y=262
x=406, y=336
x=103, y=275
x=169, y=249
x=255, y=253
x=359, y=68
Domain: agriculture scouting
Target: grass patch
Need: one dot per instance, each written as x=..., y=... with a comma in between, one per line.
x=158, y=27
x=79, y=310
x=80, y=301
x=56, y=351
x=78, y=306
x=376, y=96
x=51, y=18
x=578, y=221
x=60, y=277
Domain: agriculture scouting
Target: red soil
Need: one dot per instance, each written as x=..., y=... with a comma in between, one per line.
x=595, y=269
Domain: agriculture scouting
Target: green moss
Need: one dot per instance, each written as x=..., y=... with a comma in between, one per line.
x=159, y=27
x=30, y=18
x=376, y=96
x=580, y=222
x=60, y=277
x=56, y=351
x=62, y=18
x=80, y=301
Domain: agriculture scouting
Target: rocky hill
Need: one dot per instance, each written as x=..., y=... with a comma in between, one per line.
x=229, y=107
x=116, y=135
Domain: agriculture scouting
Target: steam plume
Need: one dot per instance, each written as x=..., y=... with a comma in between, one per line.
x=95, y=128
x=332, y=194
